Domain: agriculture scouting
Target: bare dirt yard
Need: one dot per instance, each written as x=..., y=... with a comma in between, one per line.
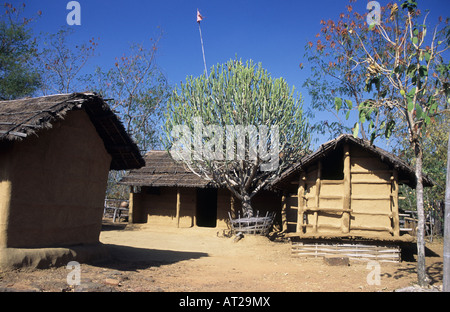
x=158, y=259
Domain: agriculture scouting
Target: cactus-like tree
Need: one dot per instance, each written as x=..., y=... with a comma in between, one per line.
x=237, y=127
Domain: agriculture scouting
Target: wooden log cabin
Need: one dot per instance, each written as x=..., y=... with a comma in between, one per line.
x=348, y=188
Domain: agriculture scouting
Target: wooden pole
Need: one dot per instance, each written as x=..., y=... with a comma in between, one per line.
x=446, y=273
x=345, y=228
x=130, y=205
x=178, y=207
x=301, y=202
x=316, y=214
x=394, y=205
x=283, y=213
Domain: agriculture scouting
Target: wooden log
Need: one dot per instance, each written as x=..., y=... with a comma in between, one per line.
x=283, y=212
x=325, y=209
x=301, y=201
x=331, y=196
x=370, y=182
x=347, y=191
x=131, y=206
x=382, y=197
x=370, y=213
x=373, y=228
x=316, y=215
x=394, y=203
x=178, y=208
x=332, y=182
x=357, y=171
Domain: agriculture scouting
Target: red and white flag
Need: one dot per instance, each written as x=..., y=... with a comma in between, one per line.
x=199, y=16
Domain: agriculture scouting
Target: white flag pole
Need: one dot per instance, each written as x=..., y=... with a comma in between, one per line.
x=199, y=18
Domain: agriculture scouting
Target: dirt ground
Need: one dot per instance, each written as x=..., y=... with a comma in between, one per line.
x=153, y=259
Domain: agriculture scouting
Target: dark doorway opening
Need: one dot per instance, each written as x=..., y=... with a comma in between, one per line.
x=206, y=207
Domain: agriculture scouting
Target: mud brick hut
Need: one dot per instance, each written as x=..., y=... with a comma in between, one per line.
x=55, y=155
x=165, y=192
x=343, y=197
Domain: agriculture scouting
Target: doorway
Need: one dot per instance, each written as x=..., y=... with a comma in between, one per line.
x=206, y=207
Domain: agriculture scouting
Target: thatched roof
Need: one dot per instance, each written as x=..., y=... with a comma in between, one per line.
x=406, y=172
x=162, y=170
x=22, y=118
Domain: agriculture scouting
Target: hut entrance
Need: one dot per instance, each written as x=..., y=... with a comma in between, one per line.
x=207, y=207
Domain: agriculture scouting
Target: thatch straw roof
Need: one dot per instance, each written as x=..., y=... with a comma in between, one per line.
x=22, y=118
x=406, y=172
x=162, y=170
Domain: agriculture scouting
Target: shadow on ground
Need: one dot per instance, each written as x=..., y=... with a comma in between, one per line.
x=126, y=258
x=409, y=252
x=409, y=257
x=108, y=225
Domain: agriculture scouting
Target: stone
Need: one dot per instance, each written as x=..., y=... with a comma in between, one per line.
x=112, y=282
x=337, y=261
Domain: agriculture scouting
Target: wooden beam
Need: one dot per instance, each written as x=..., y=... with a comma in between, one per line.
x=301, y=201
x=370, y=213
x=347, y=191
x=371, y=182
x=283, y=212
x=382, y=197
x=19, y=134
x=178, y=207
x=373, y=228
x=316, y=215
x=130, y=205
x=325, y=209
x=356, y=171
x=394, y=203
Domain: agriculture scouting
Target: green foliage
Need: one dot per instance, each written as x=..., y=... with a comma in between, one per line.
x=233, y=95
x=434, y=165
x=395, y=76
x=240, y=94
x=17, y=51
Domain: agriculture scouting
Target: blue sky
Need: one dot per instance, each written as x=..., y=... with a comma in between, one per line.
x=271, y=32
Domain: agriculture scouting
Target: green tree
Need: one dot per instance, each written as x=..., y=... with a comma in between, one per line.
x=18, y=76
x=237, y=127
x=406, y=80
x=434, y=165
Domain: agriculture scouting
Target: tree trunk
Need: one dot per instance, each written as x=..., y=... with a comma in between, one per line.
x=446, y=273
x=247, y=209
x=421, y=267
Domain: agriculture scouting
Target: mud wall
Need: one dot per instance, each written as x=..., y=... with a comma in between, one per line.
x=360, y=200
x=158, y=206
x=53, y=185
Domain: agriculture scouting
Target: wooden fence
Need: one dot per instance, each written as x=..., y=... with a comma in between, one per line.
x=354, y=251
x=254, y=225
